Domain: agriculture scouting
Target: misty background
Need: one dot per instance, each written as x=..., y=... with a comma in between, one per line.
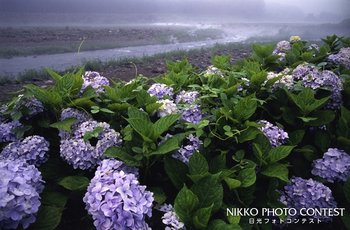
x=114, y=12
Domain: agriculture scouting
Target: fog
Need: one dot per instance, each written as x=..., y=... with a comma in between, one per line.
x=315, y=11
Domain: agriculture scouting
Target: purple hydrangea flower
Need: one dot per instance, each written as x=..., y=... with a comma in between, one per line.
x=20, y=186
x=167, y=107
x=192, y=114
x=313, y=78
x=187, y=97
x=7, y=130
x=160, y=90
x=186, y=151
x=283, y=46
x=28, y=106
x=86, y=154
x=333, y=166
x=33, y=149
x=301, y=193
x=342, y=57
x=276, y=135
x=95, y=80
x=80, y=117
x=115, y=198
x=170, y=218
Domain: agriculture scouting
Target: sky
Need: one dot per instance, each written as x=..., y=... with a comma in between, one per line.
x=251, y=10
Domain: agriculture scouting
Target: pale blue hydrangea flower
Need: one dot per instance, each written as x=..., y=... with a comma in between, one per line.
x=333, y=166
x=283, y=46
x=32, y=149
x=160, y=90
x=342, y=57
x=7, y=130
x=95, y=80
x=80, y=117
x=116, y=200
x=276, y=135
x=86, y=154
x=20, y=186
x=188, y=97
x=28, y=106
x=186, y=151
x=170, y=218
x=192, y=114
x=300, y=193
x=167, y=107
x=212, y=70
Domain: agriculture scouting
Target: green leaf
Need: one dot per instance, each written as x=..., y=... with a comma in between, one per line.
x=307, y=119
x=55, y=76
x=164, y=123
x=55, y=199
x=65, y=125
x=346, y=219
x=279, y=153
x=296, y=137
x=93, y=134
x=168, y=146
x=276, y=170
x=185, y=203
x=158, y=194
x=248, y=134
x=141, y=124
x=198, y=164
x=222, y=225
x=74, y=182
x=245, y=108
x=176, y=171
x=232, y=183
x=105, y=110
x=209, y=191
x=120, y=154
x=201, y=217
x=323, y=117
x=346, y=189
x=247, y=177
x=48, y=218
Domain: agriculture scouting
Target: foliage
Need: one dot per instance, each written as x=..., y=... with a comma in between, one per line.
x=235, y=164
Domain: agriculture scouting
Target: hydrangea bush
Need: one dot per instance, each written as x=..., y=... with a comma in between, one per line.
x=178, y=150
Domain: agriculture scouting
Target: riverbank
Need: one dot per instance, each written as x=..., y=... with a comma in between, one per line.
x=127, y=69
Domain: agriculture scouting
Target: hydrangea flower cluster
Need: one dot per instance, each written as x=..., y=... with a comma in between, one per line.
x=167, y=107
x=33, y=149
x=212, y=70
x=301, y=193
x=160, y=90
x=276, y=135
x=85, y=153
x=80, y=117
x=20, y=186
x=314, y=79
x=115, y=198
x=342, y=57
x=29, y=105
x=95, y=80
x=187, y=97
x=294, y=39
x=186, y=151
x=281, y=49
x=286, y=80
x=170, y=218
x=192, y=114
x=333, y=166
x=7, y=130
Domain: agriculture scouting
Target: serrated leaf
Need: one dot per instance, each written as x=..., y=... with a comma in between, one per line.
x=116, y=152
x=65, y=125
x=209, y=191
x=201, y=217
x=168, y=146
x=164, y=123
x=185, y=203
x=245, y=108
x=93, y=134
x=198, y=164
x=74, y=182
x=276, y=170
x=176, y=171
x=232, y=183
x=247, y=177
x=279, y=153
x=55, y=76
x=48, y=218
